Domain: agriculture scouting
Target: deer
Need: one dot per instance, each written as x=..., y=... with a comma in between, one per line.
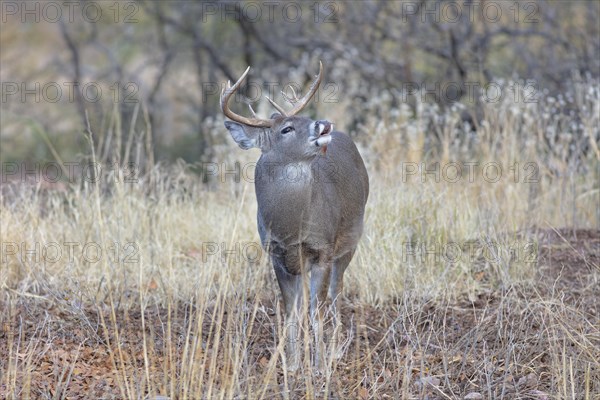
x=311, y=188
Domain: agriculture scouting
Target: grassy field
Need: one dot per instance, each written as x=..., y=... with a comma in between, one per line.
x=478, y=275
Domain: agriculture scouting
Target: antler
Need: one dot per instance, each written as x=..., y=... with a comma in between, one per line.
x=299, y=104
x=226, y=95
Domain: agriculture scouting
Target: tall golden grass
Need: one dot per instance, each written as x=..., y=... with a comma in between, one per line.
x=180, y=265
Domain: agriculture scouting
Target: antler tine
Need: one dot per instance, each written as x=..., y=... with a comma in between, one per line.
x=252, y=111
x=301, y=103
x=292, y=100
x=278, y=107
x=226, y=95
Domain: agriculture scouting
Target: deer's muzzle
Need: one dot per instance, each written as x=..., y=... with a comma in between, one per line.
x=322, y=132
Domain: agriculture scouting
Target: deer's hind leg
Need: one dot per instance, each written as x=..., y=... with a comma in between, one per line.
x=336, y=286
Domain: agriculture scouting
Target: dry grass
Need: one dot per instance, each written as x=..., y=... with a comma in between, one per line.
x=479, y=286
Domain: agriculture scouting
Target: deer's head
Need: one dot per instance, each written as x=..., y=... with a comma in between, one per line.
x=284, y=135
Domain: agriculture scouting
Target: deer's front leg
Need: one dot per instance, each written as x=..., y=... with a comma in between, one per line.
x=319, y=283
x=291, y=291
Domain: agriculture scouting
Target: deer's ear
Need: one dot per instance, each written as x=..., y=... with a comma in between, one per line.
x=245, y=136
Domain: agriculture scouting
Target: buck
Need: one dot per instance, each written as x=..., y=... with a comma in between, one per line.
x=311, y=188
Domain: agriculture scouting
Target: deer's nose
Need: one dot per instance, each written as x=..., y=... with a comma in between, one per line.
x=323, y=127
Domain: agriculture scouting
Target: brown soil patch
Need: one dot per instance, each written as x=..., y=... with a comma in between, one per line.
x=500, y=345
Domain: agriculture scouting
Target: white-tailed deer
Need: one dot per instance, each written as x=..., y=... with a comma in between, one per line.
x=311, y=188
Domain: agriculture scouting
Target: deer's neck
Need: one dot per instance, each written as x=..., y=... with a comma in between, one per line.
x=285, y=181
x=286, y=195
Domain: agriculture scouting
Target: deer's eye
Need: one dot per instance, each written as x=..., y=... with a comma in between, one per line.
x=287, y=129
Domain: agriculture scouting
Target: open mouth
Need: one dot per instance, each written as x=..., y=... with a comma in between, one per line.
x=325, y=127
x=322, y=131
